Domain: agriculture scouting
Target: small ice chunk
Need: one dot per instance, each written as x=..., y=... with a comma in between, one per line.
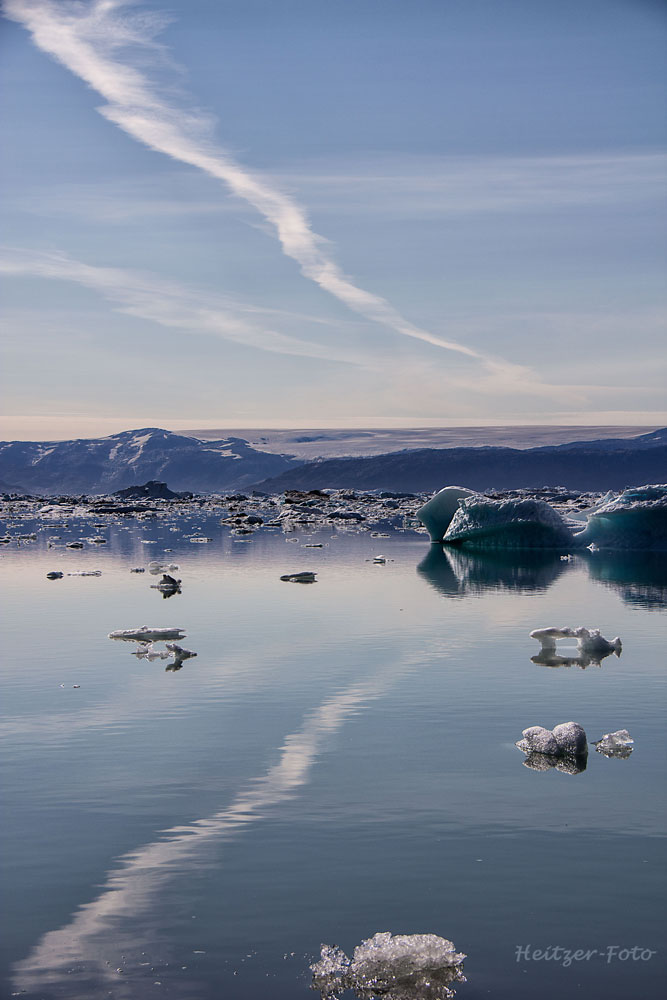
x=86, y=572
x=398, y=967
x=147, y=634
x=304, y=577
x=618, y=744
x=54, y=575
x=537, y=739
x=566, y=739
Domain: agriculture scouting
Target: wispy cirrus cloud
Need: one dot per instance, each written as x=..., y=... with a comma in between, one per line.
x=93, y=41
x=176, y=306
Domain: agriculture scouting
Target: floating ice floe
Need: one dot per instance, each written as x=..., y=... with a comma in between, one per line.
x=147, y=634
x=517, y=524
x=438, y=512
x=303, y=577
x=567, y=739
x=634, y=519
x=398, y=967
x=591, y=643
x=54, y=575
x=618, y=744
x=147, y=651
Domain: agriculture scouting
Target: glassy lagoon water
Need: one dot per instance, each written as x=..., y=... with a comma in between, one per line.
x=337, y=760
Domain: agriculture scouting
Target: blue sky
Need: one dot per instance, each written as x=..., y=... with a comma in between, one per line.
x=306, y=213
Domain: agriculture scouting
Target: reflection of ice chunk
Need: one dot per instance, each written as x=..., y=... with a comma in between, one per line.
x=618, y=744
x=147, y=634
x=520, y=524
x=637, y=519
x=437, y=513
x=399, y=967
x=545, y=762
x=566, y=739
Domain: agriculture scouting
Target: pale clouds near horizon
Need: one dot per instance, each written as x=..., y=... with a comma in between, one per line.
x=503, y=285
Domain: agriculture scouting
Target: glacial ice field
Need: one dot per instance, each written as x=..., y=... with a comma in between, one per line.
x=332, y=765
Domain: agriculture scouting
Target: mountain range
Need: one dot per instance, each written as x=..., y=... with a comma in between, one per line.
x=105, y=465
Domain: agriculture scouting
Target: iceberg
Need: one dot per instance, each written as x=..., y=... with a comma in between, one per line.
x=592, y=645
x=146, y=634
x=618, y=744
x=634, y=519
x=437, y=512
x=516, y=524
x=567, y=739
x=398, y=967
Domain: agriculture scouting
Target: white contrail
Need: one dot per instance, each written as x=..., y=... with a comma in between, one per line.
x=86, y=38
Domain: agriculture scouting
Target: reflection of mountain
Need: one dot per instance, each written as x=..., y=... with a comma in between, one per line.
x=639, y=577
x=454, y=572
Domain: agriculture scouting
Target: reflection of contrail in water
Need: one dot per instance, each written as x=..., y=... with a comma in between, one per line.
x=128, y=890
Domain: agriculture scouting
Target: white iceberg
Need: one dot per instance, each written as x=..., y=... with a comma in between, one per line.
x=591, y=643
x=618, y=744
x=437, y=512
x=398, y=967
x=518, y=524
x=147, y=634
x=567, y=739
x=635, y=519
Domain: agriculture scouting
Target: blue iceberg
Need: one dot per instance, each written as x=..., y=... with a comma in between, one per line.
x=505, y=524
x=635, y=519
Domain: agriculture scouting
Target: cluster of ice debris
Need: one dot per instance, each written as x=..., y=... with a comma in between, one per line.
x=633, y=519
x=565, y=747
x=145, y=638
x=398, y=967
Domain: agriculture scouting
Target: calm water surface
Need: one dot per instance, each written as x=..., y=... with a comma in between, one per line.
x=338, y=760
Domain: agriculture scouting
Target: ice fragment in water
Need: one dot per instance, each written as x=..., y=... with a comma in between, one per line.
x=438, y=512
x=566, y=739
x=618, y=744
x=590, y=641
x=508, y=524
x=147, y=634
x=398, y=967
x=304, y=577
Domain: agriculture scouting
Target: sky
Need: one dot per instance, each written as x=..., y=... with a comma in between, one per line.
x=299, y=213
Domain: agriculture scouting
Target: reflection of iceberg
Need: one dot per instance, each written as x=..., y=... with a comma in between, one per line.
x=399, y=967
x=566, y=765
x=637, y=519
x=455, y=572
x=508, y=524
x=547, y=657
x=639, y=578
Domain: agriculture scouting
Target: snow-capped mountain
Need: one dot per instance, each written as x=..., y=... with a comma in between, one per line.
x=103, y=465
